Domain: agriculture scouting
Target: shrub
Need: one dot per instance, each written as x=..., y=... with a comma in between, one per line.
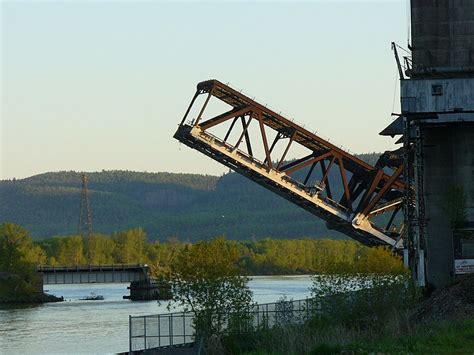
x=206, y=281
x=360, y=301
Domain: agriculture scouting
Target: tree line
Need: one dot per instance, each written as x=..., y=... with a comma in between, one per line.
x=260, y=257
x=20, y=255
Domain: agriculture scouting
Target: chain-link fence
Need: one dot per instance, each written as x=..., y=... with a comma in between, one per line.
x=160, y=330
x=174, y=329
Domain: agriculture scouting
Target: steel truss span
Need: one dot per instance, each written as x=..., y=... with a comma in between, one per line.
x=353, y=197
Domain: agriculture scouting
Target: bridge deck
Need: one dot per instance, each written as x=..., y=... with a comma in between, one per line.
x=93, y=273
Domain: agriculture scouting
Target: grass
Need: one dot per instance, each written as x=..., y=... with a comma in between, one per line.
x=447, y=337
x=374, y=320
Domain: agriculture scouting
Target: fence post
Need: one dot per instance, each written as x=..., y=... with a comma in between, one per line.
x=129, y=334
x=171, y=329
x=159, y=330
x=184, y=329
x=268, y=317
x=144, y=327
x=307, y=309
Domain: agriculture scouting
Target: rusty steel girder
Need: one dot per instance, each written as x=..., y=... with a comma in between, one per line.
x=355, y=205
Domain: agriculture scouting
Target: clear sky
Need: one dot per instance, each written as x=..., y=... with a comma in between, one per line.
x=89, y=85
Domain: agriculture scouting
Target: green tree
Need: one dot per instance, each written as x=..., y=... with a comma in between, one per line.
x=161, y=255
x=206, y=281
x=380, y=260
x=360, y=300
x=101, y=250
x=18, y=256
x=130, y=246
x=14, y=244
x=71, y=251
x=36, y=255
x=51, y=246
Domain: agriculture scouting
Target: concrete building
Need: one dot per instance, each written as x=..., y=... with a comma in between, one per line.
x=437, y=100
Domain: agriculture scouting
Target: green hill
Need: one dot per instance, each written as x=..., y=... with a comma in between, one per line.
x=187, y=206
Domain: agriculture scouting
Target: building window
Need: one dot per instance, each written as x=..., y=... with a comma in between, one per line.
x=437, y=90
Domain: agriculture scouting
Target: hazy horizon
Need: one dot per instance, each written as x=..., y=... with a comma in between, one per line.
x=226, y=170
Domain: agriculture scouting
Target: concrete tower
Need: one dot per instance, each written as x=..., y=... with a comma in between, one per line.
x=437, y=100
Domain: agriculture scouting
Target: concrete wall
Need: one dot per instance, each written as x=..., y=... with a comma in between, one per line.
x=442, y=82
x=437, y=95
x=448, y=157
x=442, y=33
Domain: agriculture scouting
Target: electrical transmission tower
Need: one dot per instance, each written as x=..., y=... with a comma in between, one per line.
x=85, y=215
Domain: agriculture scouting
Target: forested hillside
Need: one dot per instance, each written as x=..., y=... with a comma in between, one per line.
x=187, y=206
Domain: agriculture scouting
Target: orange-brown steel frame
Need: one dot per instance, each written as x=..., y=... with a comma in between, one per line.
x=375, y=185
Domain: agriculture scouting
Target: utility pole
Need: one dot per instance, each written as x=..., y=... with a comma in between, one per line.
x=85, y=214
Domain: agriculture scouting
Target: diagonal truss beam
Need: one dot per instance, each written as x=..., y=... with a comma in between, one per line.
x=306, y=162
x=235, y=112
x=268, y=158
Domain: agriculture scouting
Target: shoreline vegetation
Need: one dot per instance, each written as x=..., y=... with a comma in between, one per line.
x=9, y=297
x=359, y=313
x=254, y=257
x=19, y=281
x=20, y=255
x=389, y=316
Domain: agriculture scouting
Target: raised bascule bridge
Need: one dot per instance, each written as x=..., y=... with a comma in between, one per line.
x=430, y=178
x=352, y=196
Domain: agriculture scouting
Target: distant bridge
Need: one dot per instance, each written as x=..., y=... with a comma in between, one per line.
x=116, y=273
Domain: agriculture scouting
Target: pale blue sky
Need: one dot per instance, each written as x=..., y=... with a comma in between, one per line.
x=102, y=85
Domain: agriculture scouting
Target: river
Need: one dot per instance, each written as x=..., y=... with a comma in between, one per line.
x=98, y=327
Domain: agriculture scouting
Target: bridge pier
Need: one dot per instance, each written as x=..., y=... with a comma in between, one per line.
x=147, y=290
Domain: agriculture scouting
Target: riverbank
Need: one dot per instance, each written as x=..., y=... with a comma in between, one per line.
x=9, y=296
x=368, y=322
x=30, y=298
x=445, y=337
x=16, y=289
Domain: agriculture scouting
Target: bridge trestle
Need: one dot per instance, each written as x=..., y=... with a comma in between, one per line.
x=53, y=275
